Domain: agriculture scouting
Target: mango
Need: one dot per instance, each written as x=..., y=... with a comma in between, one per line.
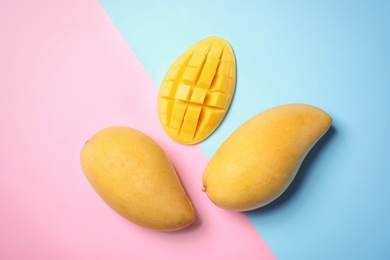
x=197, y=90
x=258, y=162
x=134, y=176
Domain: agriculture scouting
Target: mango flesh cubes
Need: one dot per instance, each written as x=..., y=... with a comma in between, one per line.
x=197, y=91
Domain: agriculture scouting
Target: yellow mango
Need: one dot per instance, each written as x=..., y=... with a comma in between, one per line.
x=134, y=176
x=197, y=91
x=257, y=163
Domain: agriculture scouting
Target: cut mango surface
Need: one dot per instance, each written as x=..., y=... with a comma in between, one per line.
x=197, y=91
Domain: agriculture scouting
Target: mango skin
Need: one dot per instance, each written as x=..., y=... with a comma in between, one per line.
x=258, y=162
x=134, y=176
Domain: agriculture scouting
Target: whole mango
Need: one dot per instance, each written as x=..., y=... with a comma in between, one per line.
x=257, y=163
x=134, y=176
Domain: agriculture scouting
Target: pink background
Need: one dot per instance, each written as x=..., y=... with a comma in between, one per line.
x=66, y=72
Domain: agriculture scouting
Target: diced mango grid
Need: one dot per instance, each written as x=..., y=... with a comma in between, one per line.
x=196, y=91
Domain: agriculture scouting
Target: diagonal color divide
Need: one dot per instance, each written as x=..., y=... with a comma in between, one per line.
x=326, y=53
x=69, y=73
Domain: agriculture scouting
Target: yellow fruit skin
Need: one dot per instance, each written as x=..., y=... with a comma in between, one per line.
x=133, y=175
x=257, y=163
x=197, y=90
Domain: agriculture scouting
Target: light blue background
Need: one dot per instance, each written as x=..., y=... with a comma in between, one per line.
x=331, y=54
